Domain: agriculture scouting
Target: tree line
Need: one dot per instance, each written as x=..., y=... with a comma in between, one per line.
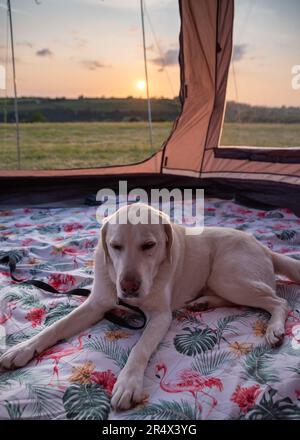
x=32, y=109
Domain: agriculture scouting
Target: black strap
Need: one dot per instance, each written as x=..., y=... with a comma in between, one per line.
x=10, y=260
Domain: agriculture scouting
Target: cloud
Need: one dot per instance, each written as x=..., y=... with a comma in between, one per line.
x=44, y=53
x=169, y=58
x=25, y=44
x=239, y=52
x=93, y=64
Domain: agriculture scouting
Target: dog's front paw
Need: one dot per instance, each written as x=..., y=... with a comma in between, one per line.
x=275, y=335
x=127, y=391
x=17, y=356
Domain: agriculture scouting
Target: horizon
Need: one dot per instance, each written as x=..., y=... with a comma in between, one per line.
x=74, y=58
x=80, y=97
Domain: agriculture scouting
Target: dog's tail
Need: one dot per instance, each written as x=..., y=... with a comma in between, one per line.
x=286, y=266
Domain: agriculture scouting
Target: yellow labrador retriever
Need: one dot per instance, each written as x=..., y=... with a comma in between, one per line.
x=160, y=268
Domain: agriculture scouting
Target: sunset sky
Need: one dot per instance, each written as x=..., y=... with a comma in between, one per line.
x=94, y=48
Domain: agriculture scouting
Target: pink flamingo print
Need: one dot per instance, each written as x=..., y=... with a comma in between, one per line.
x=191, y=381
x=61, y=281
x=72, y=251
x=71, y=227
x=56, y=353
x=4, y=317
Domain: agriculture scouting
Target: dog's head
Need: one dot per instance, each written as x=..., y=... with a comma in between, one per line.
x=136, y=240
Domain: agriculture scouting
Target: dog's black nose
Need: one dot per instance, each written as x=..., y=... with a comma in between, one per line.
x=130, y=286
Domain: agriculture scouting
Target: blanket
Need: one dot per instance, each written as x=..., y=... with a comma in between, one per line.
x=212, y=364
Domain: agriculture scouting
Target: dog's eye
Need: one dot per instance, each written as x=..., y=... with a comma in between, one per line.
x=116, y=247
x=147, y=246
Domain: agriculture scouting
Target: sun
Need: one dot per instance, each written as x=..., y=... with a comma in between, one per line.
x=141, y=85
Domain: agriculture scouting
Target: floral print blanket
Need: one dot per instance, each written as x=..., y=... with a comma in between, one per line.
x=211, y=365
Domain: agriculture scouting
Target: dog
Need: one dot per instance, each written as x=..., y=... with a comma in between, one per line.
x=158, y=267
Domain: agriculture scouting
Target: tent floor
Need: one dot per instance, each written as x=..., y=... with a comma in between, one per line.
x=72, y=191
x=221, y=350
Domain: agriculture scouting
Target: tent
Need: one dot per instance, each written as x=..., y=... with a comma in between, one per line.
x=191, y=156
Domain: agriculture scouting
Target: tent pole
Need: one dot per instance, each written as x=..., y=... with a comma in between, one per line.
x=146, y=76
x=15, y=84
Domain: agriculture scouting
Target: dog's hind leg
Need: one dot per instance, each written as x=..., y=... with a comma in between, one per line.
x=260, y=295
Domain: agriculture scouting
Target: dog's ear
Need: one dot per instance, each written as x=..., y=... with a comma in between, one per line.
x=169, y=234
x=103, y=232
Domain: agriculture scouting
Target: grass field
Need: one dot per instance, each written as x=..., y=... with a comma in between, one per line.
x=73, y=145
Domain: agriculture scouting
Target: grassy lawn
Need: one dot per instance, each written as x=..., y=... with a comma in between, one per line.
x=261, y=135
x=73, y=145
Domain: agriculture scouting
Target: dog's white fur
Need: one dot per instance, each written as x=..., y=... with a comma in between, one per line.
x=219, y=267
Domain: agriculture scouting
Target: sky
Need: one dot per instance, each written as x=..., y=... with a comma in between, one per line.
x=94, y=48
x=266, y=47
